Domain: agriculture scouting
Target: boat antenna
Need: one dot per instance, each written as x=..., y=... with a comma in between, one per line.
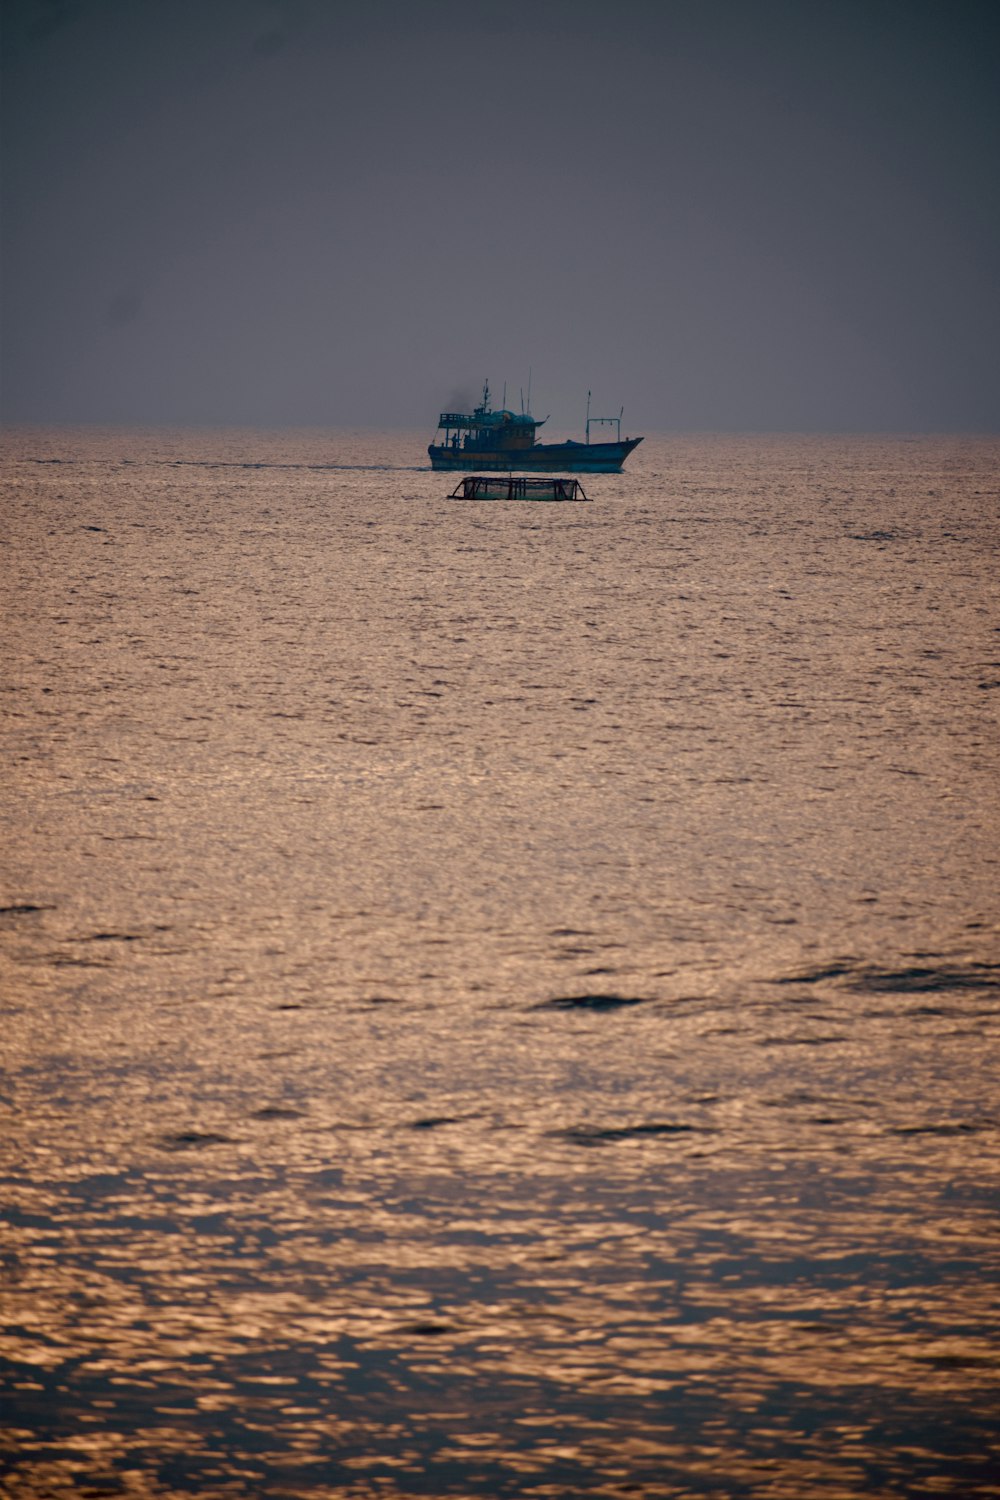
x=522, y=400
x=529, y=390
x=587, y=429
x=503, y=403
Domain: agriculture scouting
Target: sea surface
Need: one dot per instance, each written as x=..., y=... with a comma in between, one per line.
x=499, y=1000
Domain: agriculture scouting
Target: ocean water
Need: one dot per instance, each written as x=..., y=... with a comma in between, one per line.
x=499, y=1000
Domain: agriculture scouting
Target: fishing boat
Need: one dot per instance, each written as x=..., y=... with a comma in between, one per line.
x=487, y=439
x=516, y=487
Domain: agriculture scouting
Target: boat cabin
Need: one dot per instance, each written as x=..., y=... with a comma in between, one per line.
x=487, y=431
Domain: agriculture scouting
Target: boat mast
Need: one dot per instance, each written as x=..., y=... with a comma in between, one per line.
x=604, y=421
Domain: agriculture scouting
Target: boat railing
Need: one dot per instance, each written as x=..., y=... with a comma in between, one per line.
x=516, y=487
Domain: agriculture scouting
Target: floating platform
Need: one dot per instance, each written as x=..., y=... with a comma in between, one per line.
x=516, y=487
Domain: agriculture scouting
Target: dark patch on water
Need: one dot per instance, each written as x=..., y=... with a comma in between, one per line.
x=216, y=463
x=814, y=976
x=591, y=1002
x=108, y=937
x=800, y=1041
x=958, y=1361
x=67, y=961
x=797, y=1097
x=192, y=1140
x=22, y=909
x=917, y=979
x=277, y=1112
x=920, y=980
x=593, y=1135
x=432, y=1122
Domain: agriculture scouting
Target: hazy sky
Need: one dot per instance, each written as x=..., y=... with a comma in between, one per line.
x=727, y=214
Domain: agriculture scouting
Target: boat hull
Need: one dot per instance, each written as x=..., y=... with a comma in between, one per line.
x=543, y=458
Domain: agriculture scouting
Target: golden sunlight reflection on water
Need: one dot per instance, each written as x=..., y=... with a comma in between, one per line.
x=499, y=1000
